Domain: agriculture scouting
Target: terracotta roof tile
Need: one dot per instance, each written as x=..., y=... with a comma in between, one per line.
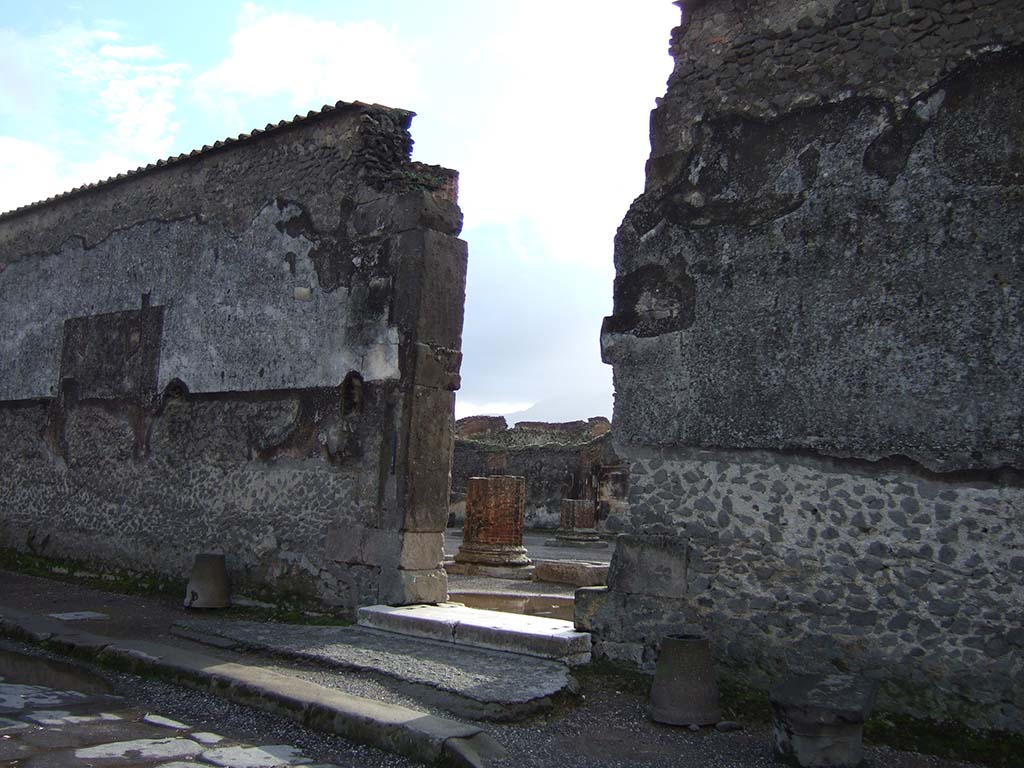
x=311, y=115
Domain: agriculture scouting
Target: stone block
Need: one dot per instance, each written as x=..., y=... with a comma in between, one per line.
x=430, y=448
x=408, y=211
x=650, y=565
x=361, y=544
x=818, y=720
x=630, y=654
x=444, y=280
x=434, y=265
x=399, y=587
x=455, y=623
x=345, y=543
x=437, y=367
x=598, y=610
x=573, y=572
x=421, y=550
x=381, y=547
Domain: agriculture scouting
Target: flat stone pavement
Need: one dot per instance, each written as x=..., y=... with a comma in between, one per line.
x=606, y=727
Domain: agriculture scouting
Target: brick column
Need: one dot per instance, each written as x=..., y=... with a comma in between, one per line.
x=578, y=524
x=493, y=532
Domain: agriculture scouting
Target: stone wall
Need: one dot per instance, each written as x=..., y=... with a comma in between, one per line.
x=249, y=349
x=817, y=341
x=559, y=460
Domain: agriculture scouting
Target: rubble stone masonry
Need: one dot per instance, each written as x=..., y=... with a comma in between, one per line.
x=818, y=343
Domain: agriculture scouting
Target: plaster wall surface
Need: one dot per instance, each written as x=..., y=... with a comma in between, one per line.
x=250, y=349
x=817, y=342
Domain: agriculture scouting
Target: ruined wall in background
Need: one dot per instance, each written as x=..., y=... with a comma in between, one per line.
x=817, y=341
x=559, y=461
x=251, y=349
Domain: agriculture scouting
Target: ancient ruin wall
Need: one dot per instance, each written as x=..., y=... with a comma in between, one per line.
x=559, y=461
x=252, y=350
x=817, y=341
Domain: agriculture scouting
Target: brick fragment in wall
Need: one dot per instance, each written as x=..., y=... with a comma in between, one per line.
x=494, y=510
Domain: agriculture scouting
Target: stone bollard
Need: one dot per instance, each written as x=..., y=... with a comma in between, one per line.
x=208, y=584
x=577, y=525
x=492, y=536
x=818, y=720
x=684, y=691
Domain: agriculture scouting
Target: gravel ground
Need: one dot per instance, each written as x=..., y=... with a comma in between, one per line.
x=612, y=730
x=228, y=719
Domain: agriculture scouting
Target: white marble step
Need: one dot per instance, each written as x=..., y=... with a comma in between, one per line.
x=510, y=632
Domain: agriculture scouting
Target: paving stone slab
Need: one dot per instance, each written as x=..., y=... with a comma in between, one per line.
x=79, y=616
x=15, y=698
x=457, y=624
x=479, y=683
x=164, y=722
x=274, y=756
x=145, y=749
x=205, y=737
x=7, y=725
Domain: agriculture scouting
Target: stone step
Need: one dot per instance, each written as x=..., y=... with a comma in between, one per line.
x=526, y=603
x=469, y=682
x=577, y=573
x=478, y=628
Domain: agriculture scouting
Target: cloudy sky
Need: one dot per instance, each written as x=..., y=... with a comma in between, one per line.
x=541, y=105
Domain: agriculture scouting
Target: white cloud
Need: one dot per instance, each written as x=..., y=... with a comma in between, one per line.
x=133, y=86
x=465, y=408
x=308, y=61
x=30, y=172
x=564, y=142
x=139, y=109
x=131, y=51
x=84, y=73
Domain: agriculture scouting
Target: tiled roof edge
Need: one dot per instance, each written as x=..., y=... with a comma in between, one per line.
x=206, y=150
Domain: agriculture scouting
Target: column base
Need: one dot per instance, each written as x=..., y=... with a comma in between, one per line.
x=577, y=538
x=516, y=572
x=492, y=554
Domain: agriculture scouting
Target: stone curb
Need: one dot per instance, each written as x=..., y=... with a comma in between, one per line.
x=454, y=623
x=408, y=732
